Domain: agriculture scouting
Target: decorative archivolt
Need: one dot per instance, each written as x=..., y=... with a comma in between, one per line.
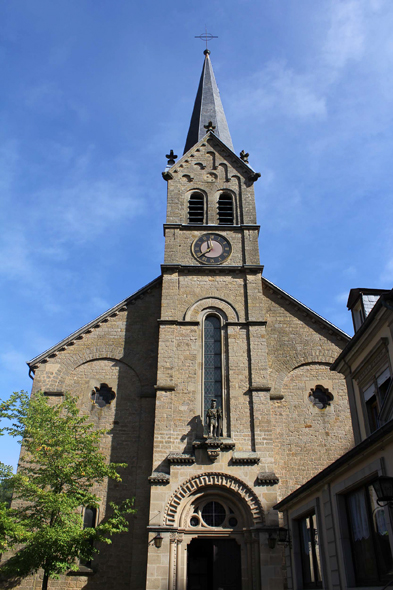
x=213, y=480
x=89, y=356
x=285, y=374
x=194, y=311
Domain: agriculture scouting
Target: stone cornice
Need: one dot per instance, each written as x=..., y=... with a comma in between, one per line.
x=213, y=269
x=180, y=458
x=215, y=227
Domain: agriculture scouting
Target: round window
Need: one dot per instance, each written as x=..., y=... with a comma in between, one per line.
x=194, y=521
x=232, y=521
x=213, y=514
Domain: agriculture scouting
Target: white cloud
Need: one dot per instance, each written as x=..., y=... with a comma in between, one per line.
x=9, y=157
x=98, y=305
x=279, y=89
x=387, y=273
x=14, y=257
x=13, y=360
x=345, y=37
x=341, y=297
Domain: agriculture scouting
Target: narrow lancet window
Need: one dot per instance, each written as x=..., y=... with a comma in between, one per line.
x=212, y=377
x=89, y=522
x=196, y=208
x=225, y=209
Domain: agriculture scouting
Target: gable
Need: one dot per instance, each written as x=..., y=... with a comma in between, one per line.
x=212, y=142
x=296, y=335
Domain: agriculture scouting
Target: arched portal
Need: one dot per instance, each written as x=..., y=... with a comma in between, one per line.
x=216, y=517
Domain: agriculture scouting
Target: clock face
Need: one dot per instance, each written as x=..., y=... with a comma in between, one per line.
x=211, y=249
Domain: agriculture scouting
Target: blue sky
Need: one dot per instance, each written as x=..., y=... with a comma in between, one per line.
x=95, y=93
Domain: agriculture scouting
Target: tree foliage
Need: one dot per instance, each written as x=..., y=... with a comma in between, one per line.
x=60, y=468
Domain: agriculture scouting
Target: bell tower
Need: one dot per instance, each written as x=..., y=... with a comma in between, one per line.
x=212, y=353
x=210, y=192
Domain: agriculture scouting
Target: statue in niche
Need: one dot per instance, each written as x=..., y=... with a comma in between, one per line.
x=214, y=420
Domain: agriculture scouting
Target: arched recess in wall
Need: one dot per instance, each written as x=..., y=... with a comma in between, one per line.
x=213, y=484
x=284, y=375
x=197, y=309
x=121, y=379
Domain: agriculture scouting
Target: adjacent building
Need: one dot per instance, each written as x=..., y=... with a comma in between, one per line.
x=341, y=536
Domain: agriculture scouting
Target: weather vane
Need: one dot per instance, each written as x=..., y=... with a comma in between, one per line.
x=206, y=37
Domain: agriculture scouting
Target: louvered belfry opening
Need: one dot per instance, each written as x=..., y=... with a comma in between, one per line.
x=225, y=209
x=196, y=208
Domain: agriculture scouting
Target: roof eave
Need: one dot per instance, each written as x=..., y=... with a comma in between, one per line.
x=309, y=311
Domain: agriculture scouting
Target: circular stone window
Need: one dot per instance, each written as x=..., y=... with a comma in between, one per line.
x=194, y=521
x=213, y=514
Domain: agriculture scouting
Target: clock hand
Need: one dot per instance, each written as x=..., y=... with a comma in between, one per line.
x=205, y=252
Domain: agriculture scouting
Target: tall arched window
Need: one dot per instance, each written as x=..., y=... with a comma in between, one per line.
x=89, y=522
x=225, y=209
x=212, y=371
x=196, y=208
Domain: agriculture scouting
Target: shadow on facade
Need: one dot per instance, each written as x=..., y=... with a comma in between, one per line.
x=123, y=562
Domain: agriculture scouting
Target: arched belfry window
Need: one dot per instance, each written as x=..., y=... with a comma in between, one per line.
x=225, y=209
x=196, y=208
x=212, y=364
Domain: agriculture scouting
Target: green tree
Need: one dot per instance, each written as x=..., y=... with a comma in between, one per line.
x=5, y=484
x=60, y=465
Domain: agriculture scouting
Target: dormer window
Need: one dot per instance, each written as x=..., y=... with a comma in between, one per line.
x=361, y=303
x=225, y=209
x=358, y=315
x=196, y=209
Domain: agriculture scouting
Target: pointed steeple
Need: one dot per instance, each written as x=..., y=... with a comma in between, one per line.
x=208, y=108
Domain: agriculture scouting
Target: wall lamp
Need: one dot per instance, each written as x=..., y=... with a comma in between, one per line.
x=158, y=540
x=280, y=535
x=383, y=487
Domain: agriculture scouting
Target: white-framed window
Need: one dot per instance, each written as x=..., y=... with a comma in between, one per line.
x=369, y=537
x=309, y=551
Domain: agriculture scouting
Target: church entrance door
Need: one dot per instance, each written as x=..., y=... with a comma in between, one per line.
x=213, y=564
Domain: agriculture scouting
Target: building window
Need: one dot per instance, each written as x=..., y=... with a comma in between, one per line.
x=196, y=208
x=320, y=397
x=369, y=537
x=102, y=395
x=309, y=552
x=225, y=209
x=213, y=514
x=212, y=366
x=374, y=397
x=89, y=522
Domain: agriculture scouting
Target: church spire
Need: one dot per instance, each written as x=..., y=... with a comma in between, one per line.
x=208, y=109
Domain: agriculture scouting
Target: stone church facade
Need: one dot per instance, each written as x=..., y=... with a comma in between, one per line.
x=209, y=328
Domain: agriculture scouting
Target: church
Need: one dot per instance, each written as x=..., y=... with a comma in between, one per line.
x=214, y=384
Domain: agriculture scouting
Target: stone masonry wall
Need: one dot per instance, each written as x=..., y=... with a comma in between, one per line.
x=306, y=439
x=121, y=352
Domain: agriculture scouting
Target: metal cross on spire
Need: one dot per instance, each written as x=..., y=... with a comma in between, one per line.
x=206, y=37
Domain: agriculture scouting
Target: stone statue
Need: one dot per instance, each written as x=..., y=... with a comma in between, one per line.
x=214, y=420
